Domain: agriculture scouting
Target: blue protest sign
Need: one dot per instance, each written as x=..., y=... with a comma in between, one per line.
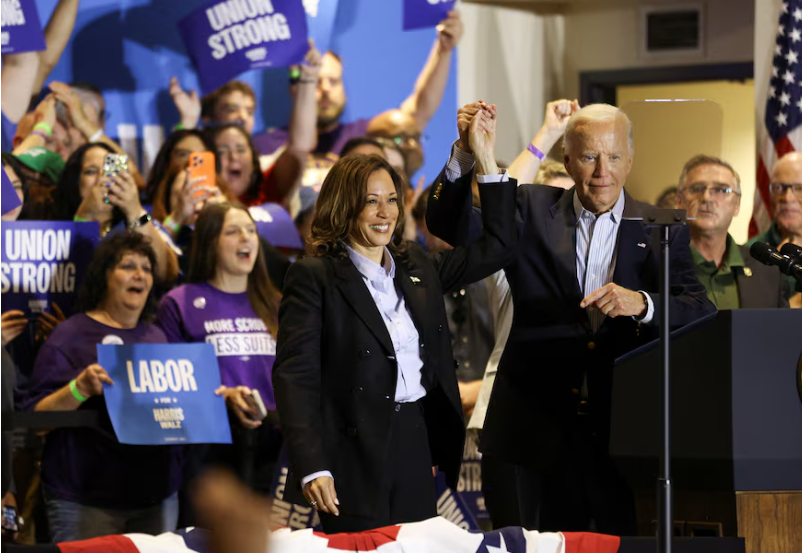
x=283, y=513
x=419, y=14
x=21, y=30
x=320, y=18
x=469, y=484
x=164, y=394
x=275, y=225
x=226, y=38
x=452, y=506
x=9, y=198
x=43, y=262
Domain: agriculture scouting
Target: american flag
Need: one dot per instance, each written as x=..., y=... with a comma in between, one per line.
x=781, y=100
x=436, y=534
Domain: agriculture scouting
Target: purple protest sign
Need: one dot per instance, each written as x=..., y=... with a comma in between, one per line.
x=9, y=198
x=43, y=262
x=275, y=225
x=21, y=30
x=419, y=14
x=226, y=38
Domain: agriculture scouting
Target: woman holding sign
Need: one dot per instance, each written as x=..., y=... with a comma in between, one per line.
x=94, y=485
x=364, y=375
x=229, y=302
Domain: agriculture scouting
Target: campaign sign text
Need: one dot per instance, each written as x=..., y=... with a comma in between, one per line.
x=419, y=14
x=21, y=30
x=44, y=262
x=9, y=197
x=275, y=225
x=285, y=514
x=452, y=506
x=164, y=394
x=227, y=37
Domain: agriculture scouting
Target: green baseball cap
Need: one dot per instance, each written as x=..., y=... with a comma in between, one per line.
x=43, y=161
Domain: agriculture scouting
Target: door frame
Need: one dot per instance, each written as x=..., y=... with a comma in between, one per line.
x=600, y=86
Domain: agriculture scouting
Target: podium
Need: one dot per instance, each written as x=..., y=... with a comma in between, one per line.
x=736, y=427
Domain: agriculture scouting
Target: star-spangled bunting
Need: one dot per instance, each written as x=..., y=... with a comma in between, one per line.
x=783, y=118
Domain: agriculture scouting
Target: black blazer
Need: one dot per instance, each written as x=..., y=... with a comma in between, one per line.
x=335, y=370
x=551, y=347
x=764, y=286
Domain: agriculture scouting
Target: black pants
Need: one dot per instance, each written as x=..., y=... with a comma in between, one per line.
x=407, y=491
x=582, y=486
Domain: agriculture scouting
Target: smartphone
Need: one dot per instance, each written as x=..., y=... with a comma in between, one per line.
x=113, y=164
x=254, y=401
x=202, y=168
x=9, y=522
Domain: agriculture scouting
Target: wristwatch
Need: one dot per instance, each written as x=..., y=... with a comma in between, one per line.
x=142, y=220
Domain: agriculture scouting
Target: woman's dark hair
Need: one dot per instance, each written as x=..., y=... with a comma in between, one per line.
x=355, y=143
x=162, y=162
x=10, y=161
x=252, y=192
x=262, y=295
x=107, y=255
x=342, y=199
x=67, y=197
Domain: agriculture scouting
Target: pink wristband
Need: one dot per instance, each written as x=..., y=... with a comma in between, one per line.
x=535, y=152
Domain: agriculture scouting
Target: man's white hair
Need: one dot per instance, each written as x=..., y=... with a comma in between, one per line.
x=597, y=113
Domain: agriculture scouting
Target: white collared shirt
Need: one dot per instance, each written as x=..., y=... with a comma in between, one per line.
x=380, y=281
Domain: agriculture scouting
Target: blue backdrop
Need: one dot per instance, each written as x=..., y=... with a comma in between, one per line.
x=131, y=48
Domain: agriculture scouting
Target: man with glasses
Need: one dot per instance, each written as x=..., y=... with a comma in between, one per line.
x=710, y=191
x=786, y=205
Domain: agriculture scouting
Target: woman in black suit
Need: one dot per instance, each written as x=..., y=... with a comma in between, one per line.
x=364, y=375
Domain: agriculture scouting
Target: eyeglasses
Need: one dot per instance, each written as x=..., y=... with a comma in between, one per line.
x=780, y=188
x=716, y=190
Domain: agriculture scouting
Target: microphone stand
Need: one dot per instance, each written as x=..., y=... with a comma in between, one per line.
x=663, y=220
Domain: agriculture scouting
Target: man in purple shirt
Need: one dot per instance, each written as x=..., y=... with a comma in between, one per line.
x=332, y=133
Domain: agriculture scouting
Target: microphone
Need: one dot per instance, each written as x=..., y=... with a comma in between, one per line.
x=769, y=256
x=792, y=250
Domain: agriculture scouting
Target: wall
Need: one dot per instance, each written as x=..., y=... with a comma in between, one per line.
x=725, y=129
x=601, y=36
x=512, y=58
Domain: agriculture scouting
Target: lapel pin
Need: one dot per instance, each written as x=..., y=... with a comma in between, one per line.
x=641, y=244
x=415, y=280
x=747, y=271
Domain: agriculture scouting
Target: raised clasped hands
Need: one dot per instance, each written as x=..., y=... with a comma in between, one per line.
x=476, y=124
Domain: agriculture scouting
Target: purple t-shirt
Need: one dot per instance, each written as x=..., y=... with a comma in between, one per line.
x=88, y=465
x=331, y=142
x=245, y=349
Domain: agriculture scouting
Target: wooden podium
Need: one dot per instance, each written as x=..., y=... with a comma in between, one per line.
x=737, y=428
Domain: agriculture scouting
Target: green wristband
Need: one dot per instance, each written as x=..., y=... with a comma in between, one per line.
x=170, y=224
x=44, y=127
x=75, y=393
x=179, y=127
x=80, y=219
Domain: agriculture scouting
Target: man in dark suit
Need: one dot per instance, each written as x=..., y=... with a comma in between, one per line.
x=584, y=284
x=710, y=191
